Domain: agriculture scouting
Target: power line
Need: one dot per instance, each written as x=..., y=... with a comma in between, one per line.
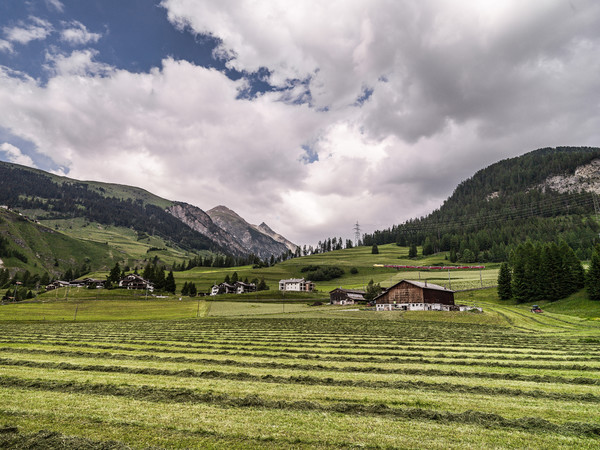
x=356, y=234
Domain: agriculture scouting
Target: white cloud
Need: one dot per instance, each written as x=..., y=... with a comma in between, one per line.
x=78, y=34
x=36, y=29
x=55, y=4
x=452, y=87
x=6, y=46
x=14, y=155
x=79, y=62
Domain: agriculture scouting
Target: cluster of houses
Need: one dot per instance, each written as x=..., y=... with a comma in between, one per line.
x=405, y=295
x=131, y=281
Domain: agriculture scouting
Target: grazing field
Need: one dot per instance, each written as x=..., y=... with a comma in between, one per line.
x=294, y=376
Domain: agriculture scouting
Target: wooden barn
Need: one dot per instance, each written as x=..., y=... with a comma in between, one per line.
x=341, y=296
x=416, y=295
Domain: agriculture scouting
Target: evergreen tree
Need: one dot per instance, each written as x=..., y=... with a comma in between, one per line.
x=227, y=279
x=412, y=251
x=262, y=286
x=170, y=285
x=192, y=291
x=234, y=278
x=593, y=276
x=374, y=250
x=427, y=247
x=185, y=290
x=115, y=274
x=504, y=282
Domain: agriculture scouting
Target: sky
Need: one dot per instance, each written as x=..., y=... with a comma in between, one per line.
x=310, y=116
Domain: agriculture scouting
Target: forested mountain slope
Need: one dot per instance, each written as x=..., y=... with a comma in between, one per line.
x=43, y=196
x=544, y=195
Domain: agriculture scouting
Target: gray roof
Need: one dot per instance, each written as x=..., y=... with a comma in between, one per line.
x=421, y=284
x=426, y=285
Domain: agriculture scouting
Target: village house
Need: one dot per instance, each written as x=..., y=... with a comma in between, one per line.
x=134, y=281
x=238, y=287
x=57, y=284
x=92, y=283
x=341, y=296
x=296, y=285
x=408, y=295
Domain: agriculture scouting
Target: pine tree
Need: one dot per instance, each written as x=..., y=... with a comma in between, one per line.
x=234, y=278
x=504, y=282
x=593, y=276
x=185, y=290
x=412, y=251
x=374, y=250
x=115, y=274
x=170, y=285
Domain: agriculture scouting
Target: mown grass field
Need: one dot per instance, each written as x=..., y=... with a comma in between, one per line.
x=287, y=375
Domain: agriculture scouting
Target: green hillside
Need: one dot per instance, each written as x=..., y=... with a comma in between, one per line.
x=38, y=249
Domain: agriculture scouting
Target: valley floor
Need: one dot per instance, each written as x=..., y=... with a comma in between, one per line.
x=293, y=376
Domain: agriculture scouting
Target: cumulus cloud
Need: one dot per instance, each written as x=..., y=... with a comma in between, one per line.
x=80, y=62
x=78, y=34
x=25, y=32
x=381, y=107
x=14, y=155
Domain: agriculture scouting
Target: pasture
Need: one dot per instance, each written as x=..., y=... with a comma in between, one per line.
x=272, y=375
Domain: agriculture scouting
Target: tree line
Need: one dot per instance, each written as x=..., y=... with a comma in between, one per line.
x=540, y=271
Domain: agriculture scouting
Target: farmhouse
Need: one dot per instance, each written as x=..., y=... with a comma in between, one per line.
x=134, y=281
x=341, y=296
x=57, y=284
x=409, y=295
x=296, y=285
x=93, y=283
x=236, y=288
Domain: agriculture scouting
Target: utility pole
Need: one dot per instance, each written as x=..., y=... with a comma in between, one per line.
x=356, y=234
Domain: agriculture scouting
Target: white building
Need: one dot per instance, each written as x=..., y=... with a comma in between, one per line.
x=296, y=285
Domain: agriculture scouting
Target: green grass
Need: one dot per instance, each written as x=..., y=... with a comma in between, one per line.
x=246, y=375
x=359, y=258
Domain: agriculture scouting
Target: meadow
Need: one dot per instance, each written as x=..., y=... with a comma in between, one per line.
x=289, y=375
x=359, y=258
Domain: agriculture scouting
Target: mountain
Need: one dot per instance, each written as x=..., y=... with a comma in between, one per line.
x=265, y=229
x=544, y=195
x=249, y=236
x=201, y=222
x=60, y=201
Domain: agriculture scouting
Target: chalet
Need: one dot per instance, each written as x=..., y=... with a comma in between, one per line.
x=236, y=288
x=57, y=284
x=296, y=285
x=341, y=296
x=134, y=281
x=92, y=283
x=408, y=295
x=243, y=288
